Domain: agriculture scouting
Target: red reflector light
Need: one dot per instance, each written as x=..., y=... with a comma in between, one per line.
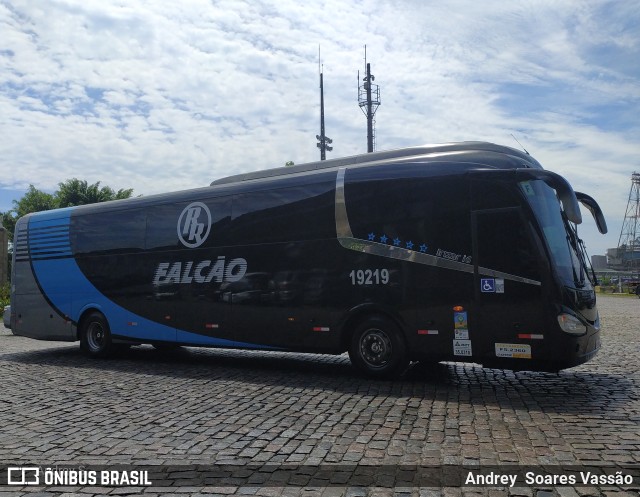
x=321, y=328
x=427, y=332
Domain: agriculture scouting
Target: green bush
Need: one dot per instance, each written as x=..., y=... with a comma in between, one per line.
x=4, y=296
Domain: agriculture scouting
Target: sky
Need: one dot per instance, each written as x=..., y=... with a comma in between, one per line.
x=162, y=95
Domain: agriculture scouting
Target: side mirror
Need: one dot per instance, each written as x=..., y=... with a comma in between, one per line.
x=595, y=210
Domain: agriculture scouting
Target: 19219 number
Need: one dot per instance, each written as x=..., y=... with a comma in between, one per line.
x=369, y=276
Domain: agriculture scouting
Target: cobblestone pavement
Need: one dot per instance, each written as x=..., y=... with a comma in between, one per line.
x=231, y=408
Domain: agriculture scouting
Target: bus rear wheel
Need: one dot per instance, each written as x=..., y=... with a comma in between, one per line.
x=95, y=336
x=378, y=349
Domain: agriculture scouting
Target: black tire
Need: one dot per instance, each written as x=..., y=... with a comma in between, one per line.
x=95, y=336
x=378, y=348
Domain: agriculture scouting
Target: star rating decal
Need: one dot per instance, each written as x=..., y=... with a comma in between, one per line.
x=397, y=242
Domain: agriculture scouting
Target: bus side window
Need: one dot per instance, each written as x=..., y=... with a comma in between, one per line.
x=492, y=195
x=424, y=214
x=162, y=223
x=504, y=243
x=284, y=215
x=108, y=232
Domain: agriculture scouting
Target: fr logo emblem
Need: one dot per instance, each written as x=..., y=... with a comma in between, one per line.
x=194, y=224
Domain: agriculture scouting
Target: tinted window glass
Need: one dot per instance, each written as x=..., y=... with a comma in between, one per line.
x=196, y=228
x=546, y=207
x=286, y=214
x=427, y=215
x=492, y=195
x=114, y=231
x=504, y=243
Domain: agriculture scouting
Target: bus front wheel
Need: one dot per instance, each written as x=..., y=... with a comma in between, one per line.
x=378, y=349
x=95, y=336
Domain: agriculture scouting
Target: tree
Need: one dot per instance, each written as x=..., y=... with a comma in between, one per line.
x=33, y=201
x=71, y=192
x=8, y=222
x=289, y=163
x=79, y=192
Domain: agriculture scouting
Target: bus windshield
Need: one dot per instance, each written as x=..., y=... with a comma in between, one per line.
x=559, y=237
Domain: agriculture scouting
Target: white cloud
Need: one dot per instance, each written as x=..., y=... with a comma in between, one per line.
x=160, y=96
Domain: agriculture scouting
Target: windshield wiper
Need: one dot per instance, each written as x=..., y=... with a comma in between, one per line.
x=585, y=258
x=574, y=252
x=573, y=266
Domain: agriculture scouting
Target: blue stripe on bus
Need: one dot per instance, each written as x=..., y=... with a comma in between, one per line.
x=47, y=219
x=69, y=290
x=48, y=234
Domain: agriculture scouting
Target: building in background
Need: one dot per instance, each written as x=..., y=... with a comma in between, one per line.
x=599, y=262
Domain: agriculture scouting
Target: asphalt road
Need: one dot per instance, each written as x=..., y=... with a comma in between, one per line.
x=295, y=424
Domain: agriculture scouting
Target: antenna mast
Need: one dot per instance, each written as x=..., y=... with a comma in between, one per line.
x=323, y=140
x=369, y=100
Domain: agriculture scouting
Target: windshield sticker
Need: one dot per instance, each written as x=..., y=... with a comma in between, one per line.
x=528, y=189
x=462, y=347
x=488, y=285
x=513, y=350
x=492, y=285
x=460, y=320
x=462, y=334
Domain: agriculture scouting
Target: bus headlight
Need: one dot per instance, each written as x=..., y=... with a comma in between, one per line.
x=571, y=324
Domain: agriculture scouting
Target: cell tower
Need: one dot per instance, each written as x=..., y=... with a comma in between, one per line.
x=629, y=241
x=369, y=101
x=323, y=140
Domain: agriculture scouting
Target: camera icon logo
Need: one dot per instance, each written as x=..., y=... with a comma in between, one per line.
x=24, y=475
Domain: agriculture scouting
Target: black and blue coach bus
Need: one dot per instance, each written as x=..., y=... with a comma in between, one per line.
x=458, y=252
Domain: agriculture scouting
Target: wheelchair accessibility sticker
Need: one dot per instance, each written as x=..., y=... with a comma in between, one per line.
x=492, y=285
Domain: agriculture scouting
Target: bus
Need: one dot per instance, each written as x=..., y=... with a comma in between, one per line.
x=464, y=252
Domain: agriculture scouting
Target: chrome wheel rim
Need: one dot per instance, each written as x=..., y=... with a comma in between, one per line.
x=95, y=336
x=375, y=348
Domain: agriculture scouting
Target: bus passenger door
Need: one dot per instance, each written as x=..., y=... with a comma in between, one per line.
x=508, y=284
